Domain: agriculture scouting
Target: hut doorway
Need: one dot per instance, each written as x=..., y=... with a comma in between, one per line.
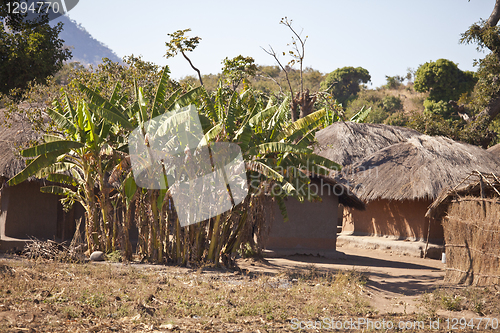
x=340, y=218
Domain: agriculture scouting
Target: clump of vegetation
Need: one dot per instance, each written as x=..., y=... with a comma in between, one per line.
x=115, y=256
x=399, y=118
x=383, y=103
x=451, y=303
x=480, y=300
x=394, y=82
x=345, y=83
x=93, y=123
x=36, y=49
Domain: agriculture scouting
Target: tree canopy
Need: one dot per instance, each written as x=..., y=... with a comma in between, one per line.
x=235, y=70
x=345, y=82
x=443, y=80
x=486, y=34
x=29, y=51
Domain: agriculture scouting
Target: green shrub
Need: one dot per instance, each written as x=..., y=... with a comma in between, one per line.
x=440, y=108
x=443, y=80
x=345, y=83
x=367, y=99
x=397, y=119
x=394, y=82
x=392, y=104
x=382, y=105
x=451, y=303
x=377, y=116
x=115, y=256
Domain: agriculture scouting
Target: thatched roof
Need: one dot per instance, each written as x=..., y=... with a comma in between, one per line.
x=495, y=150
x=476, y=184
x=348, y=142
x=419, y=168
x=11, y=139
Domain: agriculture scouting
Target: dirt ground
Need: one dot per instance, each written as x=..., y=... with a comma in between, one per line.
x=395, y=282
x=287, y=294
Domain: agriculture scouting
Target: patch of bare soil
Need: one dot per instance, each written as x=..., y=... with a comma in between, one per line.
x=268, y=295
x=395, y=282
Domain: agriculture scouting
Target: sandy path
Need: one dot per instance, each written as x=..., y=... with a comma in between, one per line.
x=395, y=282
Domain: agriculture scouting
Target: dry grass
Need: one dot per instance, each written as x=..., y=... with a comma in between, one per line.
x=45, y=296
x=479, y=301
x=347, y=142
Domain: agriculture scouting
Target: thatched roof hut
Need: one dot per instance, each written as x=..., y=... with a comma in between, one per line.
x=13, y=136
x=312, y=226
x=495, y=150
x=419, y=168
x=44, y=219
x=346, y=196
x=398, y=172
x=348, y=142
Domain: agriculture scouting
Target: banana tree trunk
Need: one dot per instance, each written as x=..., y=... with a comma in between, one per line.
x=213, y=241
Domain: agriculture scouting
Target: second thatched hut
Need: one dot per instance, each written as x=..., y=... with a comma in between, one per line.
x=470, y=213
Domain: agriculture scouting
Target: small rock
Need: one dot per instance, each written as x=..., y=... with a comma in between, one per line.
x=97, y=256
x=168, y=326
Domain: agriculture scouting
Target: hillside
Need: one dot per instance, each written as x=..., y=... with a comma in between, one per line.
x=86, y=49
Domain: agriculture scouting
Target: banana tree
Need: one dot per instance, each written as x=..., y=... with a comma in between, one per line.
x=93, y=145
x=275, y=150
x=78, y=158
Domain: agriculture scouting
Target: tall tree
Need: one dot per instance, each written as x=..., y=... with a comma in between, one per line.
x=345, y=82
x=486, y=34
x=443, y=79
x=28, y=51
x=181, y=43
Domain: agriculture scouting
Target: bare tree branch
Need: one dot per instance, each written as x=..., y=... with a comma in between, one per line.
x=293, y=103
x=302, y=98
x=267, y=76
x=273, y=54
x=300, y=53
x=192, y=66
x=495, y=15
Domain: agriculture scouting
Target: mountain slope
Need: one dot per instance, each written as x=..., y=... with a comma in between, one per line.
x=85, y=49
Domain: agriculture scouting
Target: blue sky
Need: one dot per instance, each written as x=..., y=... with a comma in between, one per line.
x=385, y=37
